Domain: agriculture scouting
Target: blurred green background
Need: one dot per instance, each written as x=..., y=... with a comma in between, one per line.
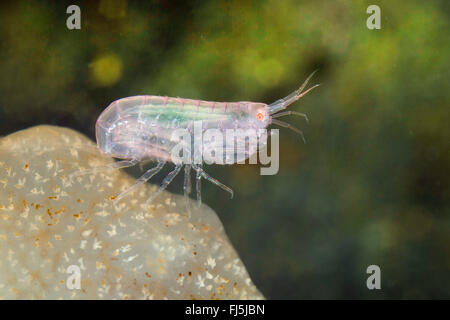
x=371, y=186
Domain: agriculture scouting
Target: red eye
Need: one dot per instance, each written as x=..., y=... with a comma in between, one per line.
x=260, y=116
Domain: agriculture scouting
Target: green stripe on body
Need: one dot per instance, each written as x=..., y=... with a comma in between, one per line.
x=183, y=113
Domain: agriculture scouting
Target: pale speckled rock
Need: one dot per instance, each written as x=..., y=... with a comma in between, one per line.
x=124, y=251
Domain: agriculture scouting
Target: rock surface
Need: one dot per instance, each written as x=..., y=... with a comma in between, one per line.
x=56, y=233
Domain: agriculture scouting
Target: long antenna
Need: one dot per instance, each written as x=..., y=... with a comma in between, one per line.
x=281, y=104
x=289, y=126
x=288, y=113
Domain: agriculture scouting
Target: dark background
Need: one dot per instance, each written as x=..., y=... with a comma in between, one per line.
x=371, y=186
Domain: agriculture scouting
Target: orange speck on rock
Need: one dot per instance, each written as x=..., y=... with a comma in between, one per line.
x=63, y=209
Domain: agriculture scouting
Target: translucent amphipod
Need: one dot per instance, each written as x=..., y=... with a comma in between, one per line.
x=140, y=129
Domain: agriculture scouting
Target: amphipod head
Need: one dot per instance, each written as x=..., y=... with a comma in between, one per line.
x=259, y=116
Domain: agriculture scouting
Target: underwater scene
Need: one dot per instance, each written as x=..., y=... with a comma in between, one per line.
x=280, y=150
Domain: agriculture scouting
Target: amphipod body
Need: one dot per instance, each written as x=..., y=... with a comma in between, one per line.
x=141, y=128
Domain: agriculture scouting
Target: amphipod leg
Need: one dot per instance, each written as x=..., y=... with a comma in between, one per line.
x=168, y=179
x=198, y=184
x=294, y=96
x=187, y=187
x=187, y=180
x=203, y=174
x=116, y=165
x=142, y=179
x=217, y=183
x=289, y=126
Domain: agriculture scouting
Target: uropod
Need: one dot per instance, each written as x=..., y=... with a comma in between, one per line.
x=139, y=129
